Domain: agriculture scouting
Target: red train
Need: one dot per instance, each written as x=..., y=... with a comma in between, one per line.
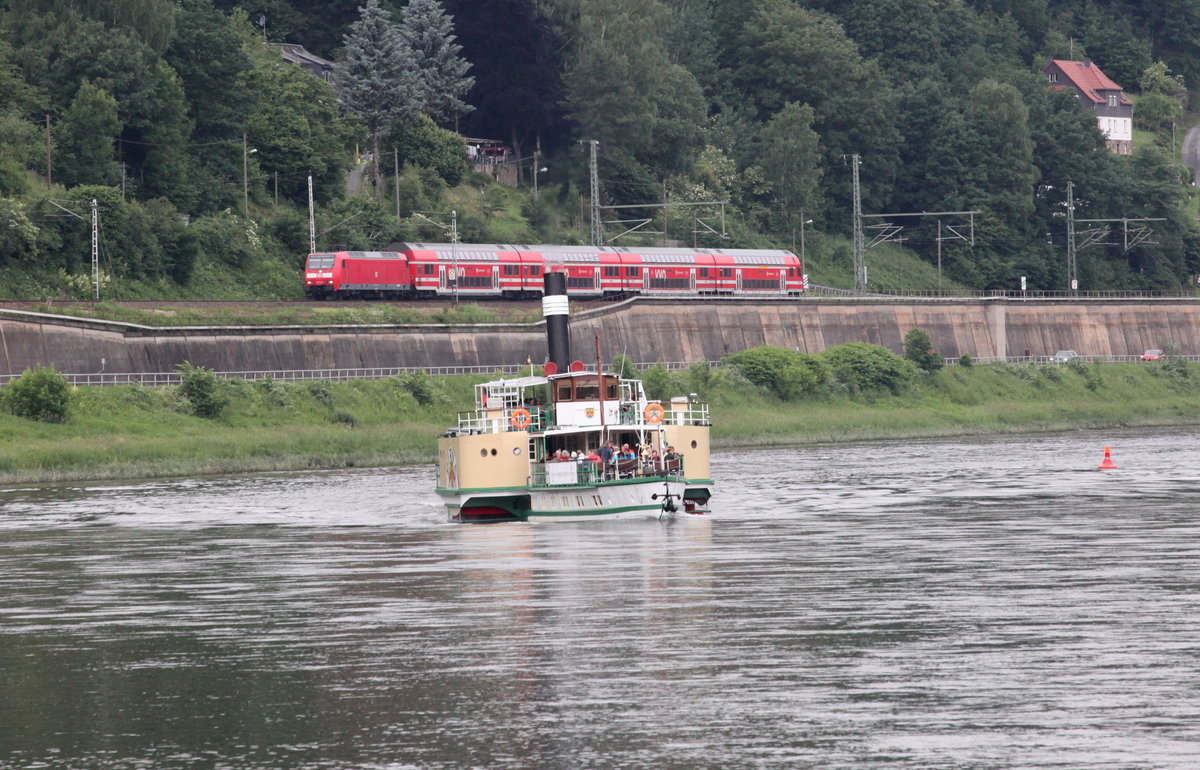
x=515, y=272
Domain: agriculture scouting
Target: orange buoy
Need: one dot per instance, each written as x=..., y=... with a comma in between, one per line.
x=1107, y=463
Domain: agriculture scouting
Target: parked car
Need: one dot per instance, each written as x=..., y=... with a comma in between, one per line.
x=1153, y=354
x=1063, y=356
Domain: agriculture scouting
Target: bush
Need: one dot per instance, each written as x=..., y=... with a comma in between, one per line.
x=321, y=393
x=40, y=393
x=863, y=366
x=786, y=373
x=658, y=382
x=966, y=361
x=623, y=365
x=419, y=386
x=918, y=348
x=201, y=390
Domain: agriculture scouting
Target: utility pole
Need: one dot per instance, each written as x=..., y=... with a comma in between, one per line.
x=49, y=181
x=803, y=227
x=396, y=161
x=939, y=243
x=597, y=225
x=1072, y=275
x=454, y=251
x=95, y=251
x=245, y=179
x=860, y=246
x=312, y=219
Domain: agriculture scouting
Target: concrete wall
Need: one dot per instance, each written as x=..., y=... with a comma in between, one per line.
x=645, y=330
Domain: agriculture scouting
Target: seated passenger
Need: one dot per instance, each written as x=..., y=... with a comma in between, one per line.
x=672, y=460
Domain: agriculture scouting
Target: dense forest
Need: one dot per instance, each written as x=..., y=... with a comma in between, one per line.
x=197, y=140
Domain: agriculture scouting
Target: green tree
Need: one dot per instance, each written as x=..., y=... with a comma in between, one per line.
x=624, y=90
x=200, y=389
x=918, y=348
x=297, y=127
x=18, y=233
x=87, y=137
x=378, y=76
x=791, y=160
x=209, y=52
x=787, y=53
x=422, y=143
x=40, y=393
x=442, y=72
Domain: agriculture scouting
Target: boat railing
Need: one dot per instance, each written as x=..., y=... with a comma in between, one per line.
x=674, y=413
x=502, y=420
x=584, y=473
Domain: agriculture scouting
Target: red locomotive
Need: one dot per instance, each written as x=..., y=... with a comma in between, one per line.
x=421, y=270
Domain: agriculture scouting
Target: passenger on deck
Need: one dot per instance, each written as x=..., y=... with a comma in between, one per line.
x=672, y=460
x=627, y=461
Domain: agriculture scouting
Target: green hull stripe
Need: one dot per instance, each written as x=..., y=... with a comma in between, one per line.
x=592, y=511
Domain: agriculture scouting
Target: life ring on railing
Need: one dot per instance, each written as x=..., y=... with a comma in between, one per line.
x=521, y=419
x=654, y=413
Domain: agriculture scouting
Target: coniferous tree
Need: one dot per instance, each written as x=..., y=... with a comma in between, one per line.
x=378, y=76
x=429, y=32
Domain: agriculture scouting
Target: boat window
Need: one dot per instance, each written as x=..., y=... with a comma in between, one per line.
x=612, y=391
x=586, y=389
x=562, y=391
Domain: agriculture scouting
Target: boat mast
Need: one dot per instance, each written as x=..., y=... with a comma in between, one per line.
x=600, y=387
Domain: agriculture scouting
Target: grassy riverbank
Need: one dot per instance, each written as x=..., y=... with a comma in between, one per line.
x=138, y=432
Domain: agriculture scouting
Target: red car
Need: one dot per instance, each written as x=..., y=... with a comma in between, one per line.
x=1153, y=354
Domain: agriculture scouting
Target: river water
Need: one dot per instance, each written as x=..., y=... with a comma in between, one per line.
x=937, y=604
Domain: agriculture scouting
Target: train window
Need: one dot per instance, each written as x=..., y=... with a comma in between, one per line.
x=428, y=269
x=704, y=272
x=512, y=269
x=669, y=283
x=726, y=272
x=634, y=272
x=753, y=284
x=535, y=270
x=612, y=272
x=580, y=282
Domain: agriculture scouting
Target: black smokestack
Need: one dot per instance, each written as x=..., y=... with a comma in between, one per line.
x=554, y=309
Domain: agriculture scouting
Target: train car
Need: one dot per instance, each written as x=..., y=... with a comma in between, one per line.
x=468, y=269
x=515, y=272
x=757, y=272
x=357, y=275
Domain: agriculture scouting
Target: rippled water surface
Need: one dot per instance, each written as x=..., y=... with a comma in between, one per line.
x=925, y=605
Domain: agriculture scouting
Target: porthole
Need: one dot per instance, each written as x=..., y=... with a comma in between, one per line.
x=493, y=453
x=517, y=450
x=693, y=444
x=483, y=453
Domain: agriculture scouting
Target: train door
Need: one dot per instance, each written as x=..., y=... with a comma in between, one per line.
x=596, y=286
x=495, y=278
x=646, y=279
x=692, y=278
x=443, y=283
x=783, y=281
x=738, y=273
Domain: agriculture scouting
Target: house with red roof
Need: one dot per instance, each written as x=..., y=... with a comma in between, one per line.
x=1097, y=92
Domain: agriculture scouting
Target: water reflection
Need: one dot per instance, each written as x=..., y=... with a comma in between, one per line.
x=933, y=604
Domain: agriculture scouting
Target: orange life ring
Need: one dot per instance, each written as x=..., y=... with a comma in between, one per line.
x=654, y=413
x=521, y=419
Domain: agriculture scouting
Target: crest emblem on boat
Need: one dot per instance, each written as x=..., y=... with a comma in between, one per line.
x=590, y=412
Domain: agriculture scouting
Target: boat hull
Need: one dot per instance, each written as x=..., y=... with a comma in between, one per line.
x=625, y=499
